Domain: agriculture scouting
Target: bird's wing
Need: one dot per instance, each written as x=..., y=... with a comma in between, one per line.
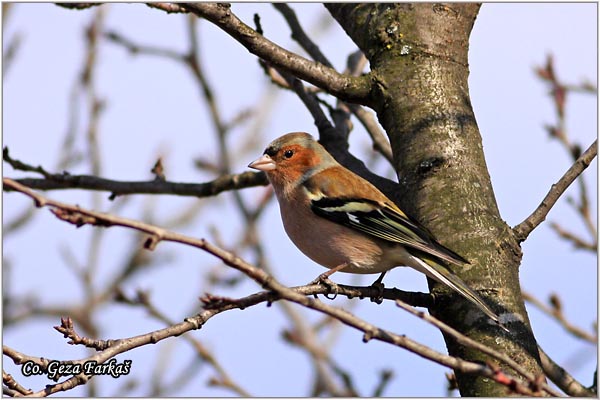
x=375, y=216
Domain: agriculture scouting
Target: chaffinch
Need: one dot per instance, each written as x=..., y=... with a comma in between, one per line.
x=344, y=223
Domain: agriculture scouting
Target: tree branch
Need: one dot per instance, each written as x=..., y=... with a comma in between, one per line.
x=559, y=92
x=300, y=36
x=523, y=230
x=577, y=241
x=467, y=341
x=562, y=378
x=119, y=188
x=142, y=299
x=348, y=88
x=379, y=141
x=555, y=311
x=78, y=6
x=15, y=388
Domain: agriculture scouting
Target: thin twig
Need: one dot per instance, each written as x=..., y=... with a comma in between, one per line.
x=134, y=49
x=11, y=48
x=577, y=241
x=170, y=8
x=300, y=36
x=385, y=379
x=523, y=230
x=556, y=312
x=559, y=92
x=143, y=299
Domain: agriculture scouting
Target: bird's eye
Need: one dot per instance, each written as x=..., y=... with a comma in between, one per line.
x=288, y=153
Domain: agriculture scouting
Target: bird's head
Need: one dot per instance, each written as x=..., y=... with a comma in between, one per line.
x=291, y=159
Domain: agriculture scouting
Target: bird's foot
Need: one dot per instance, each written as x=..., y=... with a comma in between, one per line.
x=378, y=284
x=378, y=298
x=332, y=286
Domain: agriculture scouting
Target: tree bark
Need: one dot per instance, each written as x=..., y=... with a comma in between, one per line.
x=419, y=56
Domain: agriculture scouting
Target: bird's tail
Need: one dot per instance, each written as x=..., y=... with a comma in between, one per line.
x=443, y=275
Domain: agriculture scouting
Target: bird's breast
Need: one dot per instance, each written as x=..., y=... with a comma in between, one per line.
x=330, y=244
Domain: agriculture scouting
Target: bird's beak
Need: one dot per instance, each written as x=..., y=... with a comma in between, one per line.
x=264, y=163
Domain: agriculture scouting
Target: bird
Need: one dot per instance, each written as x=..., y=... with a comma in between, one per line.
x=343, y=222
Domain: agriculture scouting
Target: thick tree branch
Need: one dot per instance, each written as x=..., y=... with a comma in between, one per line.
x=523, y=230
x=348, y=88
x=379, y=141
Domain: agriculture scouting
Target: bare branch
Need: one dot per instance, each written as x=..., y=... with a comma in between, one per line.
x=348, y=88
x=558, y=93
x=80, y=216
x=577, y=241
x=78, y=6
x=143, y=299
x=300, y=36
x=21, y=358
x=562, y=378
x=11, y=49
x=119, y=188
x=555, y=311
x=18, y=222
x=170, y=8
x=466, y=341
x=12, y=384
x=135, y=48
x=379, y=141
x=385, y=379
x=523, y=230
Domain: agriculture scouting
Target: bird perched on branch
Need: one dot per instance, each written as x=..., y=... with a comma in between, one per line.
x=344, y=223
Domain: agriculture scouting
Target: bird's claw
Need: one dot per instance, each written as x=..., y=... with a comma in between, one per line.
x=378, y=298
x=333, y=287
